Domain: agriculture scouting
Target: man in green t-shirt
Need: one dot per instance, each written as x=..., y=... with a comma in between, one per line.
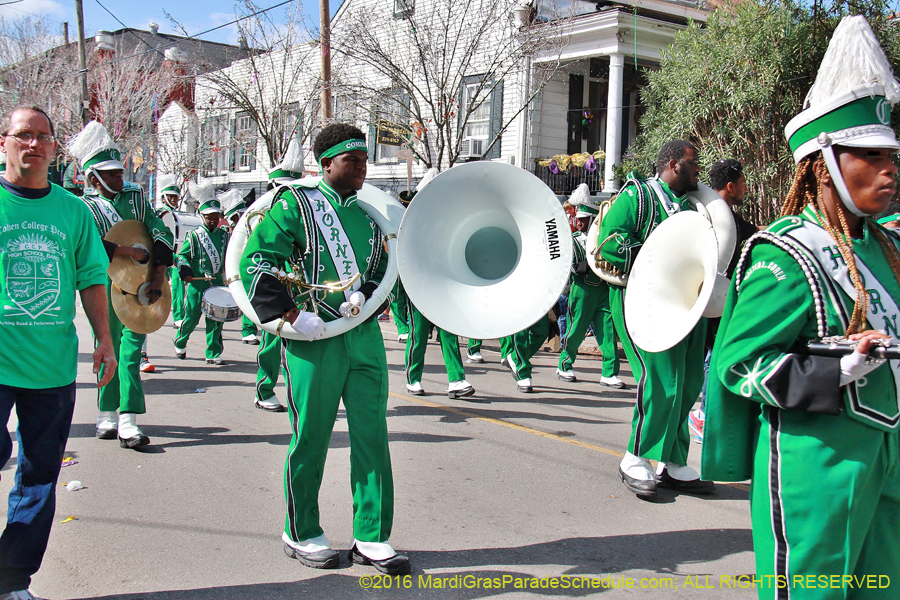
x=49, y=248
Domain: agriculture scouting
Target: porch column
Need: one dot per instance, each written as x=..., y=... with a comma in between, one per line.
x=614, y=120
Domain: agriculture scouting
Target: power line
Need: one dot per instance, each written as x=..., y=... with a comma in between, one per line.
x=126, y=27
x=190, y=37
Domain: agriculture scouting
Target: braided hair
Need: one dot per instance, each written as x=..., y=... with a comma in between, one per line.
x=806, y=188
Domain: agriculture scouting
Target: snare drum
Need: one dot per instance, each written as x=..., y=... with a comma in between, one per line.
x=219, y=305
x=180, y=224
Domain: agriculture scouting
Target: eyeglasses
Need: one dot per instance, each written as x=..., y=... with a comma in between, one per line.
x=26, y=137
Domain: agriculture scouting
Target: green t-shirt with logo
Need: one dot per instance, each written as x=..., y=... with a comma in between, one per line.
x=49, y=249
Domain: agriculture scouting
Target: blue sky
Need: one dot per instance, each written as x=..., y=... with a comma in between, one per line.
x=194, y=15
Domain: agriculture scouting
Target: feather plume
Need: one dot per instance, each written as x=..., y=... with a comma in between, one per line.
x=202, y=193
x=581, y=195
x=91, y=140
x=426, y=178
x=293, y=158
x=854, y=59
x=230, y=199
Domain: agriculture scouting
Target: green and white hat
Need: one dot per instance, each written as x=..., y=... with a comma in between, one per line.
x=581, y=200
x=205, y=195
x=232, y=202
x=850, y=102
x=2, y=163
x=291, y=165
x=165, y=185
x=95, y=149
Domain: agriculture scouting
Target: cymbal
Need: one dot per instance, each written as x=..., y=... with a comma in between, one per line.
x=124, y=271
x=136, y=314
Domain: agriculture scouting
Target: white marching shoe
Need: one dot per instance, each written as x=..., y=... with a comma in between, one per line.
x=270, y=404
x=459, y=389
x=525, y=386
x=415, y=388
x=474, y=357
x=130, y=435
x=250, y=339
x=567, y=376
x=107, y=425
x=613, y=382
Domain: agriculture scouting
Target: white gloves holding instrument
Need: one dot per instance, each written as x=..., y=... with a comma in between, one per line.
x=351, y=307
x=310, y=325
x=856, y=366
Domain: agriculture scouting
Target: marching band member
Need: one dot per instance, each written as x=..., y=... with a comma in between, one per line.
x=233, y=207
x=668, y=382
x=268, y=359
x=414, y=358
x=112, y=200
x=819, y=435
x=201, y=264
x=170, y=200
x=588, y=302
x=334, y=240
x=516, y=351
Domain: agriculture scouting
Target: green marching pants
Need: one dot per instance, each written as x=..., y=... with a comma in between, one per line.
x=193, y=296
x=268, y=359
x=177, y=295
x=248, y=327
x=668, y=384
x=419, y=327
x=124, y=392
x=814, y=515
x=523, y=346
x=590, y=304
x=473, y=346
x=318, y=375
x=399, y=309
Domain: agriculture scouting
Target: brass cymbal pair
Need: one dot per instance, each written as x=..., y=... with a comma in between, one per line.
x=131, y=280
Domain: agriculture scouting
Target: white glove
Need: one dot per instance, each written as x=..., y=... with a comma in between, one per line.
x=310, y=325
x=351, y=308
x=856, y=366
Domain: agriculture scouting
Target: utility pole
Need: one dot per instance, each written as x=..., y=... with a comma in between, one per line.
x=325, y=45
x=82, y=65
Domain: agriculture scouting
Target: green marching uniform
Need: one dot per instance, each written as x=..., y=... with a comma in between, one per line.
x=588, y=303
x=202, y=255
x=400, y=311
x=473, y=346
x=419, y=328
x=333, y=240
x=125, y=393
x=174, y=280
x=522, y=347
x=268, y=361
x=824, y=459
x=669, y=382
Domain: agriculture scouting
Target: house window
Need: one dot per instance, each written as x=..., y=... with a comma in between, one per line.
x=214, y=132
x=483, y=99
x=390, y=131
x=403, y=9
x=244, y=143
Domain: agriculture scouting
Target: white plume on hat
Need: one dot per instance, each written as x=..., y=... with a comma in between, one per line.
x=230, y=199
x=293, y=158
x=202, y=193
x=92, y=139
x=581, y=195
x=854, y=59
x=162, y=182
x=426, y=178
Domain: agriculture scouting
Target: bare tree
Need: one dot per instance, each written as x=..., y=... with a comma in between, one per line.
x=439, y=67
x=35, y=69
x=275, y=90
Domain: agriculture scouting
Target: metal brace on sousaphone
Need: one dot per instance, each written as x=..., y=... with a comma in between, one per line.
x=379, y=206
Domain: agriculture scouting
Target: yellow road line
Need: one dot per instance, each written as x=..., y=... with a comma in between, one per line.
x=530, y=430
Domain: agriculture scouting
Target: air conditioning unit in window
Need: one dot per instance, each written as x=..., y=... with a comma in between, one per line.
x=472, y=148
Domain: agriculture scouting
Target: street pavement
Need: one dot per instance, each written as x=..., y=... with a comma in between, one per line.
x=500, y=495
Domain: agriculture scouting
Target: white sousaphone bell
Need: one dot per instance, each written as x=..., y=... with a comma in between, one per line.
x=678, y=275
x=484, y=250
x=384, y=210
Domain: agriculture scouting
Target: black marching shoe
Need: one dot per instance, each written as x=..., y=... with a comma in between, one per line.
x=398, y=564
x=320, y=559
x=642, y=488
x=694, y=486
